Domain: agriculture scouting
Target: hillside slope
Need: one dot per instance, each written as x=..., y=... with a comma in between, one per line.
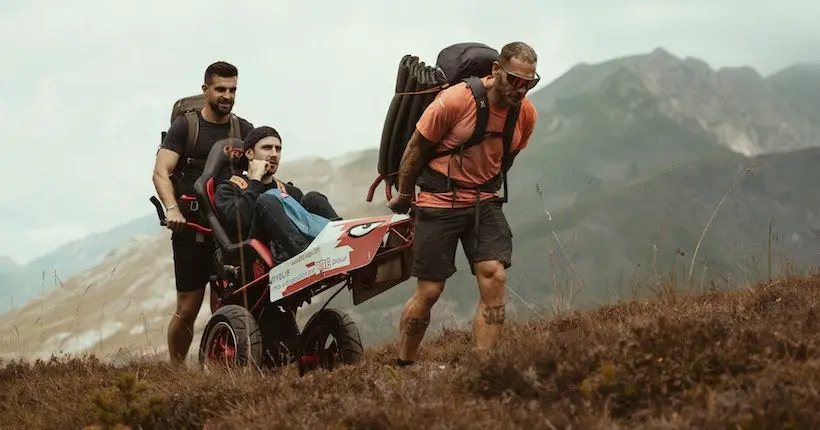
x=744, y=359
x=19, y=283
x=651, y=224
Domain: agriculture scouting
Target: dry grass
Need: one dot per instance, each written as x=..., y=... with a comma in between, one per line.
x=743, y=359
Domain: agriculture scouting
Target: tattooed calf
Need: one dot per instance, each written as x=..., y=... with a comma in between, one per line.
x=494, y=315
x=415, y=326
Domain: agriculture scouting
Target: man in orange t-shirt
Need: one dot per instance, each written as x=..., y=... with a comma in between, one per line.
x=470, y=208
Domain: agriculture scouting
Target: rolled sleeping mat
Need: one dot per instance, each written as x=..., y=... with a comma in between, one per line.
x=403, y=72
x=409, y=120
x=409, y=85
x=416, y=105
x=387, y=132
x=401, y=116
x=426, y=78
x=390, y=117
x=437, y=80
x=411, y=64
x=396, y=147
x=403, y=130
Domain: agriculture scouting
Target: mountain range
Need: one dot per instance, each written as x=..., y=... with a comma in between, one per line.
x=629, y=160
x=20, y=283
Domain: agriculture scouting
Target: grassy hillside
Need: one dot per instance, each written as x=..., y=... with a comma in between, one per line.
x=671, y=209
x=745, y=359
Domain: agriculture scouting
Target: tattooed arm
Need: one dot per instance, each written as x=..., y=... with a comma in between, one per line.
x=411, y=162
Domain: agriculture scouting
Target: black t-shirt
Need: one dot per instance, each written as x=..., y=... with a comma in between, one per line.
x=209, y=133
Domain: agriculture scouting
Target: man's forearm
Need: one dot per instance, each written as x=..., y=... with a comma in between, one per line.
x=165, y=189
x=410, y=164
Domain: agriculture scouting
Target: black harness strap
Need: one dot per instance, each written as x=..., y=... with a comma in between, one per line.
x=506, y=138
x=193, y=131
x=482, y=106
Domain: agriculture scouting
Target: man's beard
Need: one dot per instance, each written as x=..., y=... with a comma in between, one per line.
x=511, y=98
x=219, y=110
x=504, y=96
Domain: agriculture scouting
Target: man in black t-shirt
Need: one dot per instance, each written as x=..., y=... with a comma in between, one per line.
x=193, y=251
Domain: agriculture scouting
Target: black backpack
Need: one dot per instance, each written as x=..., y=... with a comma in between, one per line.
x=416, y=87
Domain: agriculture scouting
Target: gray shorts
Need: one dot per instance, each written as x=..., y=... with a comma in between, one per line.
x=436, y=233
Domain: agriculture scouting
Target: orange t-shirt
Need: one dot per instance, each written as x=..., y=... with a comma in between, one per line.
x=449, y=120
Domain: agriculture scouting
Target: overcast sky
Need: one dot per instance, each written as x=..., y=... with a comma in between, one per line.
x=89, y=84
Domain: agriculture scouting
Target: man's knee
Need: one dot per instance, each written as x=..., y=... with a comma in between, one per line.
x=428, y=292
x=314, y=197
x=316, y=202
x=267, y=203
x=188, y=306
x=491, y=270
x=492, y=279
x=271, y=212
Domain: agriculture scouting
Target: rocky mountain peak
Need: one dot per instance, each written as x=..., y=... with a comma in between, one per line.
x=737, y=106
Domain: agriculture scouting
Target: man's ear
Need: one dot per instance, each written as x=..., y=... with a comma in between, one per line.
x=204, y=89
x=249, y=154
x=496, y=68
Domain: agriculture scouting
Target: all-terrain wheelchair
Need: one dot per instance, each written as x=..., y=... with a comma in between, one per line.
x=255, y=322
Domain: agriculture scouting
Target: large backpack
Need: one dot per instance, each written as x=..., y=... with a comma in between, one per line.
x=417, y=85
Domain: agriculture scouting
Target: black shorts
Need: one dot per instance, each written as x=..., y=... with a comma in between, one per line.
x=193, y=260
x=436, y=233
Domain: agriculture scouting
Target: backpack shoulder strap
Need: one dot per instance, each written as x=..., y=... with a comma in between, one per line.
x=236, y=128
x=507, y=136
x=482, y=116
x=193, y=132
x=482, y=111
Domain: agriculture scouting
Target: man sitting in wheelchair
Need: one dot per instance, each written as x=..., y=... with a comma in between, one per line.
x=255, y=204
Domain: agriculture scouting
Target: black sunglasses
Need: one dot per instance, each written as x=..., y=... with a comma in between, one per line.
x=520, y=81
